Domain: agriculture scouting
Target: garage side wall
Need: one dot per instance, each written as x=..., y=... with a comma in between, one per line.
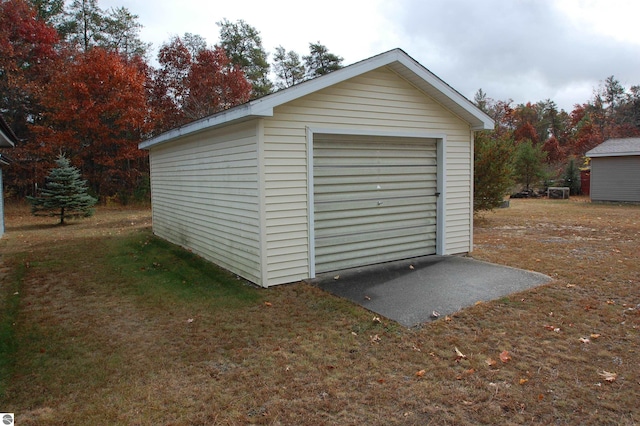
x=615, y=179
x=378, y=101
x=205, y=197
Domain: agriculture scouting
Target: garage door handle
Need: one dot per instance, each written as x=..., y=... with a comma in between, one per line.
x=437, y=194
x=379, y=203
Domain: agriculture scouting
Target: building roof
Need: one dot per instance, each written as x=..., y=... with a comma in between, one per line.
x=396, y=60
x=7, y=137
x=616, y=148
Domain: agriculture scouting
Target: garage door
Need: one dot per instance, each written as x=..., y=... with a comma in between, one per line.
x=374, y=199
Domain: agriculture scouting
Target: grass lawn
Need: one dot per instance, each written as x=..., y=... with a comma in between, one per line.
x=101, y=323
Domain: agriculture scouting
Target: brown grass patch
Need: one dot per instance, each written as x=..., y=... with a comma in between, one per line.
x=108, y=331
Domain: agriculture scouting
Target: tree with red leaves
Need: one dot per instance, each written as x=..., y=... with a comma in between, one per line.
x=189, y=86
x=96, y=115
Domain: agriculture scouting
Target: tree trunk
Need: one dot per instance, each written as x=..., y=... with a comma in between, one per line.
x=62, y=216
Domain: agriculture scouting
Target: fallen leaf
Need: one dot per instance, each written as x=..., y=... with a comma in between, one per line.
x=479, y=302
x=608, y=376
x=354, y=333
x=540, y=397
x=377, y=320
x=411, y=267
x=610, y=302
x=190, y=320
x=571, y=285
x=415, y=348
x=549, y=327
x=435, y=314
x=337, y=277
x=505, y=357
x=459, y=355
x=367, y=298
x=523, y=381
x=420, y=373
x=381, y=381
x=491, y=362
x=448, y=318
x=268, y=304
x=585, y=340
x=594, y=336
x=375, y=338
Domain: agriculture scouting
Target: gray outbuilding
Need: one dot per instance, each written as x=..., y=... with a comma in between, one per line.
x=615, y=170
x=367, y=164
x=7, y=140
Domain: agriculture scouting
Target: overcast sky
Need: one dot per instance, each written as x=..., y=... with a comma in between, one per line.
x=524, y=50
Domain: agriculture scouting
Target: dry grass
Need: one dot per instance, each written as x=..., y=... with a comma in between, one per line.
x=112, y=326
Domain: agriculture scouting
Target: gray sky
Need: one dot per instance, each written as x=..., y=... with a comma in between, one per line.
x=524, y=50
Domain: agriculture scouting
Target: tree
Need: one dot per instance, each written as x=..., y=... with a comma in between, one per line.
x=243, y=46
x=288, y=68
x=27, y=57
x=97, y=113
x=493, y=170
x=187, y=87
x=120, y=32
x=64, y=195
x=528, y=164
x=320, y=61
x=214, y=84
x=571, y=177
x=84, y=26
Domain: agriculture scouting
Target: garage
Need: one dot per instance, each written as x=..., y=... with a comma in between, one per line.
x=367, y=164
x=374, y=199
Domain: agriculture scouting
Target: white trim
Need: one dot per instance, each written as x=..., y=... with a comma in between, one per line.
x=310, y=201
x=614, y=154
x=383, y=133
x=472, y=188
x=242, y=112
x=262, y=205
x=441, y=209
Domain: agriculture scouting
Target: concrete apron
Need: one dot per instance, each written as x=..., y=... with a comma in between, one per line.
x=409, y=291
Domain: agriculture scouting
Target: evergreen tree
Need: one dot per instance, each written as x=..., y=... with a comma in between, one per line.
x=64, y=195
x=529, y=163
x=493, y=170
x=572, y=177
x=320, y=61
x=243, y=45
x=288, y=68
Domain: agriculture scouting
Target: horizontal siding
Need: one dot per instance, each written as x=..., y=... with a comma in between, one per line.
x=378, y=101
x=204, y=193
x=615, y=179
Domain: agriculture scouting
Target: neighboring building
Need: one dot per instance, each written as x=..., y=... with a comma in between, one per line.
x=615, y=170
x=7, y=140
x=368, y=164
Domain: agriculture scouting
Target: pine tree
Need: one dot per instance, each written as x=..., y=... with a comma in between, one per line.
x=64, y=195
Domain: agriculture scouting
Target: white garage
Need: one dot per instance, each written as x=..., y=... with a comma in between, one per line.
x=368, y=164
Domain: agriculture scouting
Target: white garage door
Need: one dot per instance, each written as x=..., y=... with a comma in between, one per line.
x=374, y=199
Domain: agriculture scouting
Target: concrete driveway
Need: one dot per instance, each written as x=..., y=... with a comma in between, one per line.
x=409, y=291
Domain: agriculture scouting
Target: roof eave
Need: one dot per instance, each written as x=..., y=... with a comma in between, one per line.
x=613, y=154
x=239, y=113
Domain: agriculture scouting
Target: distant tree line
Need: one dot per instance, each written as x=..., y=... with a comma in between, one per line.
x=77, y=80
x=534, y=144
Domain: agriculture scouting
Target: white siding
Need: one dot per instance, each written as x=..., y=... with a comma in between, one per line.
x=615, y=179
x=205, y=196
x=378, y=101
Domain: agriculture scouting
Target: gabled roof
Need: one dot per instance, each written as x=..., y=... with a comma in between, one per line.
x=396, y=59
x=7, y=137
x=616, y=148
